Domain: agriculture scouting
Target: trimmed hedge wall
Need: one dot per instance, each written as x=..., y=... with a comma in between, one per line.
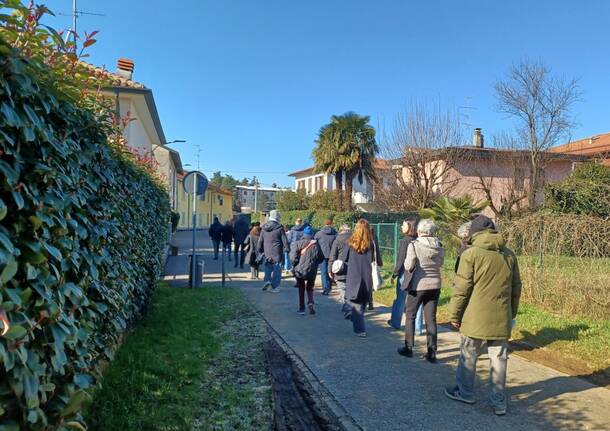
x=82, y=232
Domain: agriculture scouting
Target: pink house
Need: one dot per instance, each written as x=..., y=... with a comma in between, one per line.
x=501, y=176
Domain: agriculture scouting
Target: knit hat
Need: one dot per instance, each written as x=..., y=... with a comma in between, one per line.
x=481, y=223
x=274, y=215
x=308, y=231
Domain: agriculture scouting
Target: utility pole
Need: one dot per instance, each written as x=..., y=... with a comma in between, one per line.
x=75, y=15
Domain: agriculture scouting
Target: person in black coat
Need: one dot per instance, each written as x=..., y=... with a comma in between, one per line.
x=326, y=236
x=398, y=307
x=358, y=257
x=252, y=255
x=240, y=232
x=336, y=250
x=305, y=255
x=215, y=233
x=272, y=244
x=227, y=238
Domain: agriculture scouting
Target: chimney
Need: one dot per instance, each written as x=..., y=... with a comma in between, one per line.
x=477, y=140
x=124, y=68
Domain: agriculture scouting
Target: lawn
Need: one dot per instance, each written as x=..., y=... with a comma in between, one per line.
x=582, y=343
x=195, y=362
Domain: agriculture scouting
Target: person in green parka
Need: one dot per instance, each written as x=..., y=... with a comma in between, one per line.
x=484, y=302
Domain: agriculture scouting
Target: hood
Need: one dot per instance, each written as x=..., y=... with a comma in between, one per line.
x=299, y=227
x=344, y=235
x=479, y=224
x=488, y=239
x=328, y=230
x=428, y=246
x=272, y=225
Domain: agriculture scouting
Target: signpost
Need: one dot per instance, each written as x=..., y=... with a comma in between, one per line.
x=195, y=183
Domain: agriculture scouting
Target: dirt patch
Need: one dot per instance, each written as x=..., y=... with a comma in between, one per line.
x=297, y=406
x=238, y=385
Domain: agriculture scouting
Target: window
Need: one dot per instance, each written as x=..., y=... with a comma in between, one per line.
x=220, y=200
x=309, y=188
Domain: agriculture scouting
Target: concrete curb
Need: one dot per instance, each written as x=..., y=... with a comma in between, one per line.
x=312, y=385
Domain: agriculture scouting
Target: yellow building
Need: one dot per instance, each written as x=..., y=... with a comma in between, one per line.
x=217, y=202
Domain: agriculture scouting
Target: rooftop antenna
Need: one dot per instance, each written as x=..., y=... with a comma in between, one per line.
x=464, y=115
x=75, y=15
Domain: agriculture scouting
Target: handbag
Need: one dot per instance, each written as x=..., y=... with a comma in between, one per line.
x=375, y=272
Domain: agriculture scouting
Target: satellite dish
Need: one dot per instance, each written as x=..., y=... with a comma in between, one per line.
x=200, y=183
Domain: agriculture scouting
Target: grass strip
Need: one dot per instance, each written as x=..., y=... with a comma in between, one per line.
x=162, y=377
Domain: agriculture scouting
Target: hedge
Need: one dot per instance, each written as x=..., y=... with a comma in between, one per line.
x=82, y=232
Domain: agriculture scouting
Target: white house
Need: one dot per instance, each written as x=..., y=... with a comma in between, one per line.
x=312, y=181
x=253, y=198
x=135, y=105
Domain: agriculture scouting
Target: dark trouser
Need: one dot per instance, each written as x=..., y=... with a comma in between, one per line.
x=305, y=285
x=358, y=317
x=429, y=300
x=216, y=243
x=242, y=257
x=226, y=250
x=324, y=276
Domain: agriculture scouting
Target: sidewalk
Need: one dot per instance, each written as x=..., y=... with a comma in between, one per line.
x=384, y=391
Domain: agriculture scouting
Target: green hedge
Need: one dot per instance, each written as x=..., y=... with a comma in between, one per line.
x=82, y=231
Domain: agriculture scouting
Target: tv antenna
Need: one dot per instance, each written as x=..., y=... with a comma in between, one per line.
x=75, y=15
x=464, y=114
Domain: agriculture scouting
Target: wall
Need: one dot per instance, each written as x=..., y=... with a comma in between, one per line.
x=135, y=133
x=167, y=170
x=207, y=208
x=361, y=193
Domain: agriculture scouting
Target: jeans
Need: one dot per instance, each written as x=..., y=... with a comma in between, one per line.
x=254, y=271
x=287, y=265
x=305, y=285
x=470, y=349
x=345, y=306
x=242, y=256
x=216, y=243
x=398, y=310
x=429, y=300
x=273, y=274
x=358, y=317
x=324, y=276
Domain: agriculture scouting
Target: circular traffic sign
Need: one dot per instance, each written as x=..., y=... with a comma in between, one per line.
x=195, y=182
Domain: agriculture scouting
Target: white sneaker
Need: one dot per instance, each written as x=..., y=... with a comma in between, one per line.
x=275, y=290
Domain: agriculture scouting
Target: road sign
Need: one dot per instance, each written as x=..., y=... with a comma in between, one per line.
x=195, y=182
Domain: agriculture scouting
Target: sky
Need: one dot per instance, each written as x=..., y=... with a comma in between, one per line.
x=249, y=83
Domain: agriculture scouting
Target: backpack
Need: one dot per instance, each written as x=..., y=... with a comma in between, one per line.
x=314, y=255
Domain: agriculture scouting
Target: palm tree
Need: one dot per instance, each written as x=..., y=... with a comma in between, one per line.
x=346, y=146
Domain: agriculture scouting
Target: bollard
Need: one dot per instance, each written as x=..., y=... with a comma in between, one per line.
x=199, y=266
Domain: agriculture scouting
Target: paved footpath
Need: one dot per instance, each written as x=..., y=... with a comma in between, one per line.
x=384, y=391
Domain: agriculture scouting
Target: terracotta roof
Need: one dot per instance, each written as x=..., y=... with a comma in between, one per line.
x=379, y=163
x=597, y=145
x=113, y=78
x=468, y=152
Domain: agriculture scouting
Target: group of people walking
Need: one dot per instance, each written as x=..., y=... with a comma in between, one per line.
x=485, y=290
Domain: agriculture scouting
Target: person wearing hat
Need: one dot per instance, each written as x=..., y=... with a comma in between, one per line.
x=306, y=255
x=484, y=302
x=271, y=246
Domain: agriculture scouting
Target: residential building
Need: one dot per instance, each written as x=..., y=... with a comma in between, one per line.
x=312, y=181
x=217, y=202
x=597, y=147
x=489, y=173
x=256, y=198
x=135, y=105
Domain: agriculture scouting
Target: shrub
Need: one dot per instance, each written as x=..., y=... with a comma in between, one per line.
x=175, y=220
x=82, y=231
x=323, y=200
x=289, y=200
x=586, y=191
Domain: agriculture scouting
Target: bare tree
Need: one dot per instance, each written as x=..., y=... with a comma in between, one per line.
x=541, y=104
x=421, y=150
x=501, y=175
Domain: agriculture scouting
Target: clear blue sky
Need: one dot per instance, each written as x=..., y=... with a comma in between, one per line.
x=252, y=81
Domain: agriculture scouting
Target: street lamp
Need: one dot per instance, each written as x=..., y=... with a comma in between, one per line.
x=175, y=141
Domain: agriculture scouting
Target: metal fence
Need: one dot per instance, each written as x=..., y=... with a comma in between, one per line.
x=388, y=238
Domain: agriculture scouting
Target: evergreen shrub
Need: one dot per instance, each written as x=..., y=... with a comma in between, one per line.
x=82, y=232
